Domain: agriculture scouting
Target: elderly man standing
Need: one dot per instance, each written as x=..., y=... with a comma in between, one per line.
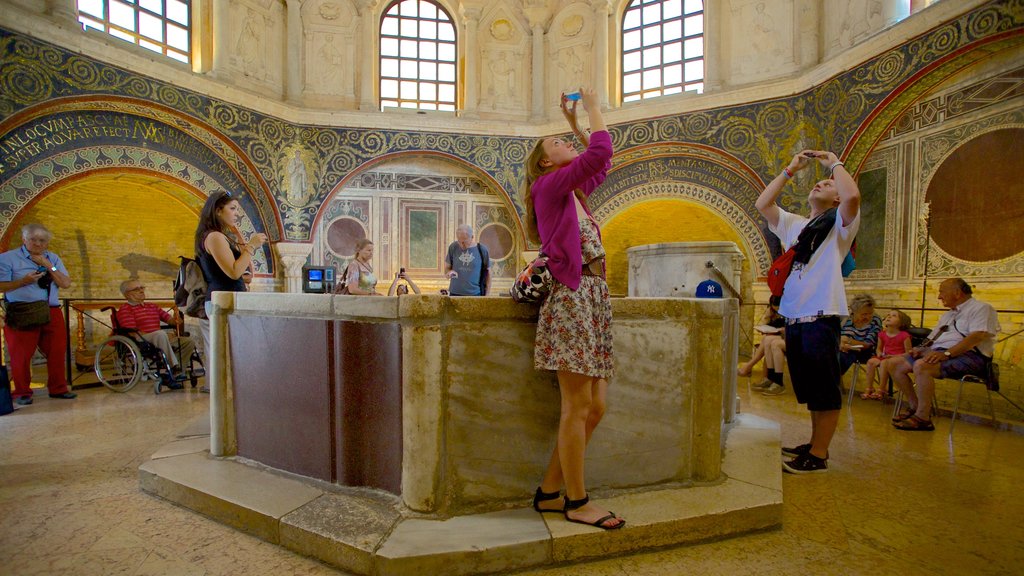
x=814, y=297
x=961, y=344
x=30, y=277
x=137, y=314
x=467, y=265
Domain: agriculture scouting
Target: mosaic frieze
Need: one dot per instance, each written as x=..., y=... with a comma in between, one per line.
x=261, y=150
x=45, y=173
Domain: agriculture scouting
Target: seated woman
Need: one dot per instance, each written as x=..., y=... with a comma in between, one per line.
x=859, y=335
x=399, y=289
x=772, y=347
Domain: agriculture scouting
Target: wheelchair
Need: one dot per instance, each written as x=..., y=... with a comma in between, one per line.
x=125, y=358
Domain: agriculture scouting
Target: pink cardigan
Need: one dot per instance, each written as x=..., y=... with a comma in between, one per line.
x=553, y=203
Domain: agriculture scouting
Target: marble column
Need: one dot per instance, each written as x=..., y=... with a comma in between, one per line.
x=221, y=41
x=64, y=11
x=713, y=40
x=537, y=15
x=294, y=47
x=472, y=48
x=293, y=256
x=601, y=63
x=368, y=57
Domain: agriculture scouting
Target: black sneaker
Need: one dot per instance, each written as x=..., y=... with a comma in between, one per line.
x=796, y=450
x=805, y=464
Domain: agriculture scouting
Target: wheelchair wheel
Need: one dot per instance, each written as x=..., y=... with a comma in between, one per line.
x=119, y=363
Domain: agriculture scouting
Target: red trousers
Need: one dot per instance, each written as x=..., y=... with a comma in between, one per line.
x=52, y=341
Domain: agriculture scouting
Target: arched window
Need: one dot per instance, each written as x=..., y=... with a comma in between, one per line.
x=159, y=25
x=662, y=48
x=417, y=56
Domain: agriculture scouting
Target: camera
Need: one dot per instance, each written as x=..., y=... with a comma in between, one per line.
x=46, y=279
x=401, y=270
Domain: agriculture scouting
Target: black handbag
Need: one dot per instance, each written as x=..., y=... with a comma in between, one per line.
x=27, y=315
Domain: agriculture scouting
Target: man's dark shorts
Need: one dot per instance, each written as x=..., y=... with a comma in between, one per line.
x=970, y=362
x=812, y=355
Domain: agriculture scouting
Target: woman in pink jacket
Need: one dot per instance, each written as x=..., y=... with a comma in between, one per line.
x=574, y=326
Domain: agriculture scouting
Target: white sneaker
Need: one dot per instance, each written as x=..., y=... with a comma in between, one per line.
x=774, y=390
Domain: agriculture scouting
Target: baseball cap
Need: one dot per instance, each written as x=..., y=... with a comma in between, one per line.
x=709, y=289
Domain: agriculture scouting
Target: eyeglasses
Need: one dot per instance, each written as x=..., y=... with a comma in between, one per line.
x=136, y=288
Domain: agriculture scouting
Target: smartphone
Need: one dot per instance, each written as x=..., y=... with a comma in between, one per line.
x=573, y=96
x=401, y=270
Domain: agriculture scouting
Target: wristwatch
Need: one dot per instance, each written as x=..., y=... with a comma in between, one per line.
x=946, y=352
x=53, y=268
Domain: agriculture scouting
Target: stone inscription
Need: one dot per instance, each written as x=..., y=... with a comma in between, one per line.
x=31, y=141
x=674, y=169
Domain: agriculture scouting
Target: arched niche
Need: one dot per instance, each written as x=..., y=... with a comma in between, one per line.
x=409, y=205
x=67, y=140
x=698, y=174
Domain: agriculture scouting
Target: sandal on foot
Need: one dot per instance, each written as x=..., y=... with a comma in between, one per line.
x=903, y=415
x=878, y=395
x=571, y=505
x=541, y=496
x=868, y=394
x=914, y=423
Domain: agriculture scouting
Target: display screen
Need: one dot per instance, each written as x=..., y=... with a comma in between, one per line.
x=316, y=275
x=329, y=274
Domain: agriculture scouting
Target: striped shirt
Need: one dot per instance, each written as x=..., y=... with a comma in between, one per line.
x=143, y=317
x=867, y=334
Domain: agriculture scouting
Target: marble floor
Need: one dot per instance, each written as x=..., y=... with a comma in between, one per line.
x=892, y=502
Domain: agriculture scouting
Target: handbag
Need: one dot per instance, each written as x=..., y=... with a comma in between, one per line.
x=27, y=315
x=780, y=270
x=533, y=284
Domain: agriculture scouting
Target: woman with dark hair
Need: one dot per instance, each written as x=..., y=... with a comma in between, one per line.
x=222, y=255
x=574, y=325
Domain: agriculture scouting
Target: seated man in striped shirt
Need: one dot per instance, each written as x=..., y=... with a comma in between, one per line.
x=137, y=314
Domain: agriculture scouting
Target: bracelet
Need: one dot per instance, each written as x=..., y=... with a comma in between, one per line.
x=789, y=175
x=834, y=166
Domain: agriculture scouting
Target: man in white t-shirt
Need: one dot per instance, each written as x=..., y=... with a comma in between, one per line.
x=961, y=344
x=814, y=296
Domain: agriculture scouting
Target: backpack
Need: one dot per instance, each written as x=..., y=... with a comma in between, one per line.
x=190, y=288
x=485, y=270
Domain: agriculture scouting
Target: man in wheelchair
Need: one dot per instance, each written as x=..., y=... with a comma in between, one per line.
x=145, y=318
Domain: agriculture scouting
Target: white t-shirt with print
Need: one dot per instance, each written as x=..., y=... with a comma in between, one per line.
x=816, y=289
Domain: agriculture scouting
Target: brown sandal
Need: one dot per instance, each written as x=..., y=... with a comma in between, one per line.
x=914, y=423
x=903, y=415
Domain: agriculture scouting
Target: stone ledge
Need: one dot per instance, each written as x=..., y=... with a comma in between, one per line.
x=369, y=534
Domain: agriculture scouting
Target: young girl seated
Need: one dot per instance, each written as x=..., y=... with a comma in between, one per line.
x=893, y=340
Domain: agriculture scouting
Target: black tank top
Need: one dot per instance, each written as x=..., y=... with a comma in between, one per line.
x=216, y=279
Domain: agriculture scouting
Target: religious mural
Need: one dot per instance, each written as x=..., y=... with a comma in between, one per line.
x=63, y=113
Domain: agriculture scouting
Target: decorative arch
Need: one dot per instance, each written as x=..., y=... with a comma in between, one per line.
x=73, y=137
x=393, y=195
x=700, y=174
x=887, y=114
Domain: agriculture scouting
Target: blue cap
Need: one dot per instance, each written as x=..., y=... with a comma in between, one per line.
x=709, y=289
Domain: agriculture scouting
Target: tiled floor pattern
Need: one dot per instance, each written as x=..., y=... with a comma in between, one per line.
x=893, y=502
